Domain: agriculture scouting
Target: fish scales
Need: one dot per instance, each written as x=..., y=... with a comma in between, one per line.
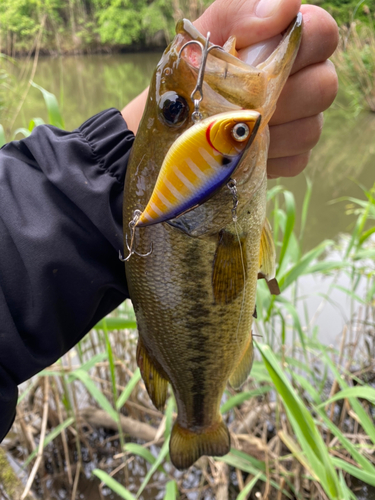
x=194, y=295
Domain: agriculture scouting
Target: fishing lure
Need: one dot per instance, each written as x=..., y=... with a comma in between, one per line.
x=198, y=163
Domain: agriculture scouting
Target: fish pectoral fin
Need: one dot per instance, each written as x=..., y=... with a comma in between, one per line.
x=267, y=259
x=156, y=382
x=243, y=368
x=186, y=446
x=229, y=269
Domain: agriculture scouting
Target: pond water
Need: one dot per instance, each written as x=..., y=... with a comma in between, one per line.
x=343, y=160
x=345, y=156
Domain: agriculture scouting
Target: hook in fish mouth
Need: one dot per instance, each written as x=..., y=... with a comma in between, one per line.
x=198, y=89
x=240, y=83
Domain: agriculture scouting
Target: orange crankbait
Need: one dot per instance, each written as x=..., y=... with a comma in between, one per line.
x=198, y=163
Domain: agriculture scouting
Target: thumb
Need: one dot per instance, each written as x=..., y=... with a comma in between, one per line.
x=250, y=21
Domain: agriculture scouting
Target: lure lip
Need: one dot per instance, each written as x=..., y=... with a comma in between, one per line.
x=232, y=167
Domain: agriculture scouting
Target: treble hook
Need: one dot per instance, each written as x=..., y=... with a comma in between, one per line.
x=197, y=115
x=131, y=250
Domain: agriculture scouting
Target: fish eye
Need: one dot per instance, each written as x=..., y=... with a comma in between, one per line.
x=240, y=132
x=174, y=108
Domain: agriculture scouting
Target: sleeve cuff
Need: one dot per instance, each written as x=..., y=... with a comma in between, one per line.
x=108, y=137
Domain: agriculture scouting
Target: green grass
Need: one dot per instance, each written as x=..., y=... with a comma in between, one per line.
x=318, y=399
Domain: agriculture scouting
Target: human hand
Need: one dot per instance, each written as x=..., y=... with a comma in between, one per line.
x=296, y=125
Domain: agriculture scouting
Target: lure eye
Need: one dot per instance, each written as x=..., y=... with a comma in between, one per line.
x=174, y=109
x=240, y=132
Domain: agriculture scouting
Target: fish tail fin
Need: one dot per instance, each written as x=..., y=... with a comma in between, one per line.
x=187, y=446
x=155, y=380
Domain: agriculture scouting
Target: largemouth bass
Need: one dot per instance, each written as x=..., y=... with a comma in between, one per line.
x=194, y=292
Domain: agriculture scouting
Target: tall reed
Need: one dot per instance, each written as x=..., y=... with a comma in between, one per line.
x=355, y=61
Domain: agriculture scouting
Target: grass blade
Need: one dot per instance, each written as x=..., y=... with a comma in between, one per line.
x=54, y=115
x=124, y=396
x=238, y=399
x=364, y=476
x=95, y=392
x=116, y=324
x=171, y=491
x=141, y=451
x=356, y=392
x=113, y=484
x=248, y=488
x=289, y=224
x=35, y=122
x=162, y=454
x=303, y=425
x=237, y=461
x=298, y=269
x=2, y=136
x=24, y=131
x=51, y=436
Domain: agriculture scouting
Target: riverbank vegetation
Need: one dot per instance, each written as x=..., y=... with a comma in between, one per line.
x=78, y=26
x=355, y=62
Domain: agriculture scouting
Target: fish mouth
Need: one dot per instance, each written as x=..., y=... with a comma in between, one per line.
x=242, y=84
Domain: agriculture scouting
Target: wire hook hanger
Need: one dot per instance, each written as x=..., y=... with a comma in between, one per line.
x=197, y=115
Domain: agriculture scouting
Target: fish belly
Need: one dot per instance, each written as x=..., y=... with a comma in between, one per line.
x=194, y=324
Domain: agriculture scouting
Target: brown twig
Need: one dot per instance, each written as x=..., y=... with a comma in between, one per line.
x=41, y=442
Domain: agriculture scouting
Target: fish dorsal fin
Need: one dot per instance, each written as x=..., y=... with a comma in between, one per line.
x=156, y=383
x=243, y=368
x=187, y=445
x=267, y=259
x=229, y=270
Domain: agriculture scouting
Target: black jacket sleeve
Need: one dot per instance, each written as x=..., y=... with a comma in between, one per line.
x=60, y=233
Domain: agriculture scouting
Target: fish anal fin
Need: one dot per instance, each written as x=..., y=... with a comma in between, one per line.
x=243, y=368
x=186, y=445
x=155, y=381
x=229, y=269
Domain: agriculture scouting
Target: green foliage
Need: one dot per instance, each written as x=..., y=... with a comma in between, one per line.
x=54, y=116
x=120, y=21
x=344, y=10
x=76, y=25
x=355, y=61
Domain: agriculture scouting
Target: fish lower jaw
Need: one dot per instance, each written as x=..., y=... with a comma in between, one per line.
x=188, y=445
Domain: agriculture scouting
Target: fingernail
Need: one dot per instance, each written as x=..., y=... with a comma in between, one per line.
x=266, y=8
